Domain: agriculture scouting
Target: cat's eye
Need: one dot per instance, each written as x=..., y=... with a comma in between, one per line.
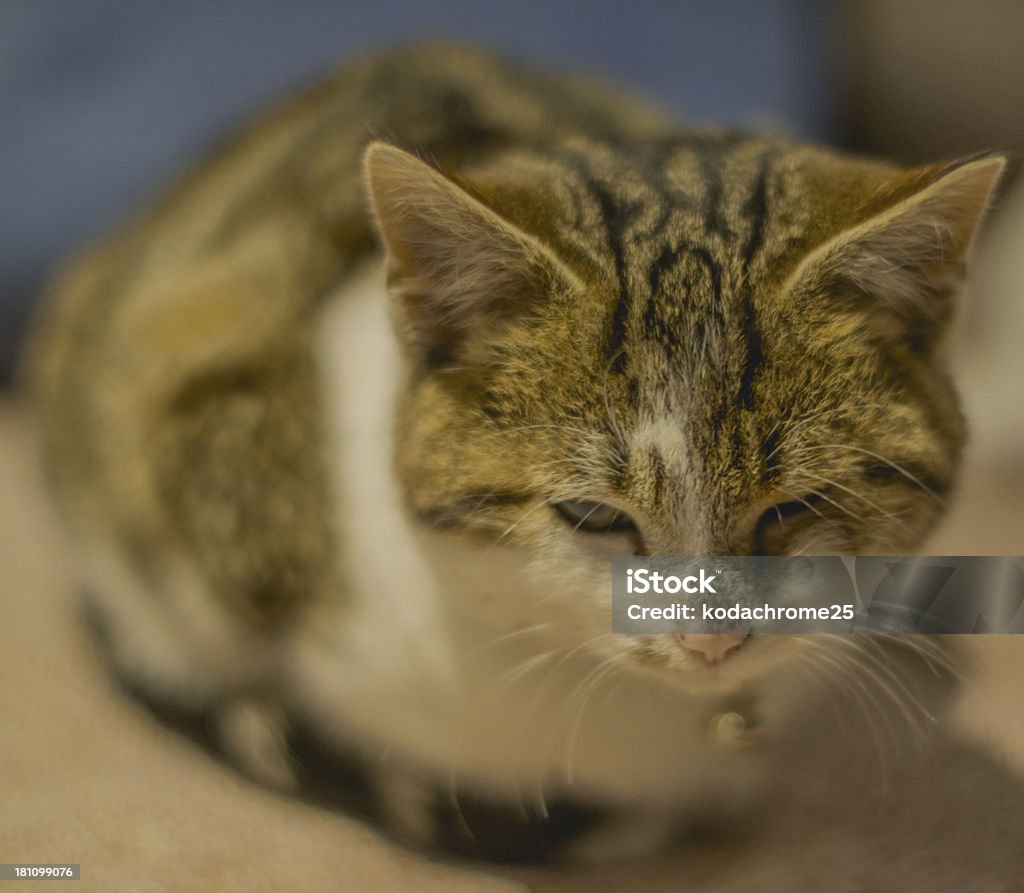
x=778, y=523
x=594, y=517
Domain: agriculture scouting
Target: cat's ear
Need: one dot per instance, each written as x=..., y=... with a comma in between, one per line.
x=456, y=268
x=904, y=263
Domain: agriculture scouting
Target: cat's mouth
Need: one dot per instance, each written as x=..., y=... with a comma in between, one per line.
x=713, y=650
x=711, y=664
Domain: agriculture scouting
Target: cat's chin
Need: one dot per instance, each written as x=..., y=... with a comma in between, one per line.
x=711, y=681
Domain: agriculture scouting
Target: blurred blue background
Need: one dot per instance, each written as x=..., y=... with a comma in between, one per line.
x=101, y=101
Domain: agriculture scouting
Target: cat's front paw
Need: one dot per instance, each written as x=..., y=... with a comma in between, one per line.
x=253, y=734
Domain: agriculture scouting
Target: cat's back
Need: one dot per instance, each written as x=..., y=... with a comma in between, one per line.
x=283, y=199
x=171, y=366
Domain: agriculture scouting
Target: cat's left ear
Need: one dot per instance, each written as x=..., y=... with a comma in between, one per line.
x=457, y=269
x=905, y=263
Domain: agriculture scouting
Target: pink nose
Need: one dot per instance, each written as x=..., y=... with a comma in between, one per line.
x=713, y=648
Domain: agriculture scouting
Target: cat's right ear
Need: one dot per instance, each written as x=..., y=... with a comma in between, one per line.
x=458, y=271
x=904, y=263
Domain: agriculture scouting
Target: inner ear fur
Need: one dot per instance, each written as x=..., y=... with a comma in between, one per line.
x=904, y=262
x=456, y=268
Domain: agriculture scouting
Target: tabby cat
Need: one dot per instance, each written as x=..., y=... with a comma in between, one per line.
x=345, y=430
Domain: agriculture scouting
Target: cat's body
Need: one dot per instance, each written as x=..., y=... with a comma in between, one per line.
x=282, y=509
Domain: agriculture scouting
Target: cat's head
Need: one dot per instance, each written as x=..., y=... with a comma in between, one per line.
x=708, y=345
